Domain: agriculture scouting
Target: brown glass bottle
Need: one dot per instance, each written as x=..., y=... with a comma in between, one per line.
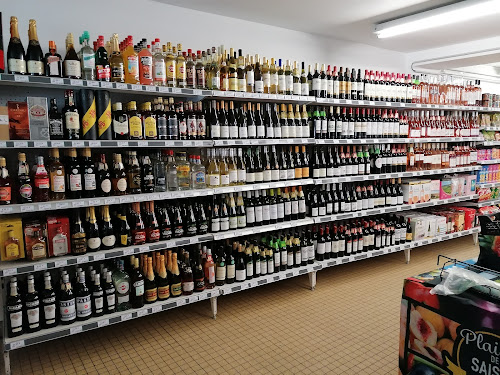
x=118, y=176
x=57, y=177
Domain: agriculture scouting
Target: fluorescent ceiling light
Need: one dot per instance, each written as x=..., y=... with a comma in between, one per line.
x=455, y=13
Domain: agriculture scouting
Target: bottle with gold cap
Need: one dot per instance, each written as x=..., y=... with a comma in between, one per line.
x=149, y=122
x=57, y=177
x=71, y=65
x=134, y=121
x=130, y=62
x=171, y=67
x=53, y=61
x=181, y=73
x=116, y=61
x=24, y=180
x=34, y=55
x=16, y=59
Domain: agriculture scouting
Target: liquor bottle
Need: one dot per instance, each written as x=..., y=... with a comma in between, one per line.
x=97, y=297
x=152, y=226
x=55, y=121
x=116, y=61
x=56, y=176
x=145, y=59
x=87, y=57
x=14, y=307
x=34, y=55
x=121, y=283
x=103, y=177
x=71, y=65
x=259, y=82
x=32, y=307
x=25, y=186
x=123, y=229
x=89, y=174
x=134, y=174
x=175, y=279
x=41, y=182
x=16, y=59
x=102, y=66
x=78, y=235
x=138, y=231
x=109, y=293
x=130, y=62
x=103, y=115
x=71, y=117
x=92, y=231
x=67, y=303
x=48, y=298
x=87, y=104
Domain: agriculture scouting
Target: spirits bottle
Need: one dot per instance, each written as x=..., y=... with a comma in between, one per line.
x=137, y=292
x=55, y=121
x=48, y=299
x=56, y=176
x=16, y=59
x=67, y=304
x=78, y=235
x=145, y=59
x=138, y=231
x=162, y=283
x=108, y=238
x=25, y=186
x=83, y=299
x=41, y=182
x=209, y=268
x=119, y=176
x=175, y=279
x=130, y=62
x=32, y=307
x=116, y=61
x=102, y=67
x=121, y=282
x=92, y=232
x=71, y=117
x=87, y=58
x=97, y=297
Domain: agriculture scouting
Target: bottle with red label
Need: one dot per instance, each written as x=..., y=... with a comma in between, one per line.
x=152, y=227
x=25, y=191
x=146, y=66
x=137, y=225
x=103, y=70
x=41, y=182
x=5, y=183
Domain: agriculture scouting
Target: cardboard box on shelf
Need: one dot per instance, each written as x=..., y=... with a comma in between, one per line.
x=19, y=127
x=38, y=118
x=11, y=250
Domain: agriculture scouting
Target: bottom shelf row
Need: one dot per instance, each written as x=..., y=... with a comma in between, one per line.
x=84, y=308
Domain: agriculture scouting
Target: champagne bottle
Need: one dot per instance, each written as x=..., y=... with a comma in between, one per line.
x=16, y=60
x=34, y=55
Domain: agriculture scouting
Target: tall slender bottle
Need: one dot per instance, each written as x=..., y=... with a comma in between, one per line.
x=34, y=55
x=16, y=59
x=130, y=62
x=87, y=57
x=71, y=66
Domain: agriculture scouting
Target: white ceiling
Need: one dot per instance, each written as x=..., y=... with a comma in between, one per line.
x=349, y=20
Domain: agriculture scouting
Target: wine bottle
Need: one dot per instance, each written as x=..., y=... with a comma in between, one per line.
x=108, y=238
x=92, y=232
x=71, y=65
x=16, y=59
x=71, y=116
x=137, y=292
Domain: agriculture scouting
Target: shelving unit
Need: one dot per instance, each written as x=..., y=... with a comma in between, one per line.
x=8, y=269
x=485, y=162
x=212, y=294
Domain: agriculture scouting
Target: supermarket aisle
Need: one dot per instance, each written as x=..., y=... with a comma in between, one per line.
x=348, y=325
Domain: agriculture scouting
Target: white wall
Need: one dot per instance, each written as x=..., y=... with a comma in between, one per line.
x=194, y=29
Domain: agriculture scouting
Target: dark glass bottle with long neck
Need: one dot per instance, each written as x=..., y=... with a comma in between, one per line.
x=34, y=55
x=16, y=59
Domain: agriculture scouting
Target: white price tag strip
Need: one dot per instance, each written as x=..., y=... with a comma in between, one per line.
x=128, y=251
x=97, y=257
x=142, y=312
x=40, y=266
x=93, y=84
x=107, y=85
x=16, y=344
x=76, y=82
x=81, y=260
x=27, y=208
x=75, y=330
x=38, y=144
x=121, y=86
x=126, y=317
x=5, y=210
x=143, y=249
x=10, y=271
x=103, y=323
x=60, y=263
x=57, y=81
x=21, y=78
x=156, y=309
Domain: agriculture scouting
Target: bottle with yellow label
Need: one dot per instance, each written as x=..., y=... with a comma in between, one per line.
x=12, y=249
x=175, y=286
x=134, y=121
x=149, y=122
x=183, y=171
x=162, y=280
x=151, y=289
x=171, y=65
x=181, y=73
x=130, y=63
x=103, y=115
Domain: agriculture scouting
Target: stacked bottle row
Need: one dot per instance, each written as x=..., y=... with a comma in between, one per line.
x=216, y=69
x=330, y=199
x=354, y=123
x=81, y=176
x=338, y=161
x=105, y=288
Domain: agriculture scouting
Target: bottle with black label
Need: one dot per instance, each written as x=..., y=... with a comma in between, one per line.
x=92, y=231
x=67, y=306
x=14, y=307
x=32, y=307
x=137, y=284
x=55, y=121
x=110, y=295
x=97, y=297
x=83, y=299
x=74, y=176
x=108, y=238
x=78, y=235
x=103, y=177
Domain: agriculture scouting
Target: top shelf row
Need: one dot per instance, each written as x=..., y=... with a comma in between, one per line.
x=51, y=82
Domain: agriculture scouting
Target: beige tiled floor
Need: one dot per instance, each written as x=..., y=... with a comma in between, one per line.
x=348, y=325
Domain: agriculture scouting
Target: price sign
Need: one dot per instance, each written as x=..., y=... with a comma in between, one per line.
x=63, y=205
x=126, y=317
x=94, y=144
x=27, y=208
x=16, y=344
x=107, y=85
x=21, y=78
x=76, y=82
x=10, y=271
x=103, y=323
x=22, y=144
x=81, y=260
x=156, y=309
x=150, y=88
x=39, y=144
x=40, y=266
x=128, y=251
x=142, y=312
x=60, y=263
x=75, y=330
x=56, y=81
x=136, y=87
x=122, y=86
x=57, y=143
x=97, y=257
x=93, y=84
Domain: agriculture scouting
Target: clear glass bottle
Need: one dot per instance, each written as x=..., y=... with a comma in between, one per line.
x=183, y=171
x=87, y=57
x=198, y=174
x=172, y=181
x=121, y=281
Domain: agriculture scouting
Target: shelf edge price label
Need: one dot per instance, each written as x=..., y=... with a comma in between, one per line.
x=21, y=78
x=121, y=86
x=126, y=317
x=60, y=263
x=16, y=344
x=103, y=323
x=56, y=81
x=93, y=84
x=156, y=309
x=106, y=85
x=97, y=257
x=10, y=271
x=28, y=208
x=142, y=312
x=81, y=260
x=40, y=267
x=128, y=251
x=76, y=82
x=75, y=330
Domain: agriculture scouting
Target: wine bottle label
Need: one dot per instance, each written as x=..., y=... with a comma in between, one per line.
x=324, y=84
x=220, y=273
x=261, y=131
x=284, y=257
x=224, y=224
x=163, y=292
x=94, y=243
x=73, y=68
x=83, y=306
x=290, y=174
x=35, y=67
x=266, y=212
x=329, y=87
x=289, y=259
x=49, y=310
x=259, y=86
x=316, y=84
x=281, y=82
x=249, y=269
x=250, y=215
x=258, y=214
x=314, y=211
x=241, y=221
x=281, y=210
x=109, y=241
x=310, y=252
x=263, y=266
x=241, y=275
x=75, y=181
x=273, y=212
x=302, y=206
x=297, y=88
x=135, y=127
x=99, y=304
x=321, y=248
x=159, y=71
x=16, y=318
x=266, y=78
x=304, y=90
x=16, y=65
x=233, y=222
x=106, y=185
x=151, y=295
x=89, y=180
x=322, y=211
x=289, y=82
x=58, y=184
x=295, y=206
x=224, y=131
x=72, y=120
x=176, y=289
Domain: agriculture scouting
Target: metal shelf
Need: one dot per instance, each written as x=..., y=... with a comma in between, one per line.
x=489, y=202
x=491, y=143
x=146, y=197
x=490, y=128
x=122, y=316
x=261, y=229
x=396, y=140
x=488, y=184
x=20, y=267
x=396, y=248
x=371, y=177
x=104, y=144
x=383, y=210
x=263, y=142
x=493, y=161
x=382, y=104
x=252, y=96
x=99, y=322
